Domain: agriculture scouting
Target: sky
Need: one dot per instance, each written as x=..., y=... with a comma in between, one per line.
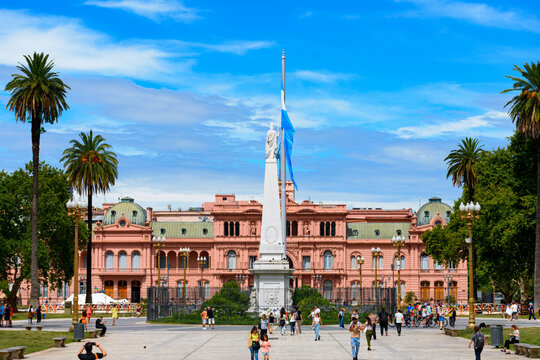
x=379, y=91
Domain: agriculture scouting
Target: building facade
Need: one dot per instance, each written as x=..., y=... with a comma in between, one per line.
x=323, y=242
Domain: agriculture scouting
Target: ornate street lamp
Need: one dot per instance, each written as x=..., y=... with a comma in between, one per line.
x=76, y=210
x=399, y=241
x=202, y=260
x=318, y=279
x=360, y=262
x=184, y=253
x=240, y=279
x=448, y=279
x=470, y=212
x=376, y=253
x=158, y=243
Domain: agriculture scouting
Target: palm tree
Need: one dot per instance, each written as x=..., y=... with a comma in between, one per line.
x=91, y=168
x=462, y=163
x=525, y=113
x=38, y=96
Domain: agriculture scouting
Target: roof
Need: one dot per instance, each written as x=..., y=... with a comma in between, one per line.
x=126, y=207
x=183, y=230
x=368, y=230
x=434, y=206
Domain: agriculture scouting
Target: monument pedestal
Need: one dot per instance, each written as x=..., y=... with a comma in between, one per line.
x=271, y=280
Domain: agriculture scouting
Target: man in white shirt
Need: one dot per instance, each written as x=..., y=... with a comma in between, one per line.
x=398, y=320
x=514, y=311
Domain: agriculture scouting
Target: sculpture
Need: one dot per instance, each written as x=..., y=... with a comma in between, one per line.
x=271, y=143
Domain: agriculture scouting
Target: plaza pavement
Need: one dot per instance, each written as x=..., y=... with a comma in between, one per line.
x=129, y=338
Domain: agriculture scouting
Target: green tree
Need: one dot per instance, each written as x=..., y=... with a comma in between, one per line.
x=91, y=168
x=410, y=298
x=230, y=301
x=38, y=95
x=525, y=113
x=56, y=229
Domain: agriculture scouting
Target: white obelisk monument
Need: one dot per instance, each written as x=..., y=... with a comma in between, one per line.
x=271, y=271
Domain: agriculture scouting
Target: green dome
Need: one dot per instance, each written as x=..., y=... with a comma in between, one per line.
x=127, y=208
x=429, y=211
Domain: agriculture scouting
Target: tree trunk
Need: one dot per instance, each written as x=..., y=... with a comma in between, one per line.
x=12, y=295
x=34, y=271
x=537, y=247
x=89, y=252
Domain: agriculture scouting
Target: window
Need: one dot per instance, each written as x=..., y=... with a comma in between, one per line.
x=398, y=232
x=59, y=292
x=122, y=223
x=237, y=228
x=328, y=288
x=355, y=290
x=182, y=262
x=252, y=260
x=113, y=213
x=109, y=260
x=380, y=265
x=333, y=229
x=205, y=231
x=231, y=260
x=206, y=293
x=437, y=266
x=321, y=232
x=438, y=223
x=424, y=262
x=184, y=231
x=66, y=290
x=426, y=214
x=452, y=265
x=162, y=231
x=294, y=228
x=45, y=290
x=353, y=262
x=377, y=233
x=306, y=262
x=399, y=264
x=134, y=213
x=231, y=229
x=327, y=232
x=448, y=213
x=226, y=229
x=328, y=259
x=355, y=232
x=84, y=261
x=180, y=289
x=224, y=198
x=122, y=260
x=288, y=228
x=136, y=260
x=402, y=289
x=162, y=260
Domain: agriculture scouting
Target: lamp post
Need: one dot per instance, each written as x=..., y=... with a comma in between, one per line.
x=76, y=210
x=470, y=212
x=317, y=279
x=448, y=279
x=158, y=243
x=398, y=242
x=240, y=279
x=202, y=260
x=184, y=253
x=360, y=262
x=376, y=253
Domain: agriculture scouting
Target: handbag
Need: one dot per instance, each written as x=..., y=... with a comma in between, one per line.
x=255, y=345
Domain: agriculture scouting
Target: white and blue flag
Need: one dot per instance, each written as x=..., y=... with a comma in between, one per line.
x=288, y=130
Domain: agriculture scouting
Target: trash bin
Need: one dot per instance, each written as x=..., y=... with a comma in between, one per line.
x=78, y=332
x=496, y=334
x=67, y=307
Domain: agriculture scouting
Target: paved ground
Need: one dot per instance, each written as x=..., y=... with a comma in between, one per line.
x=128, y=339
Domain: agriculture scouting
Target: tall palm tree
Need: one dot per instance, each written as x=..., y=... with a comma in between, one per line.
x=462, y=164
x=38, y=96
x=91, y=168
x=525, y=113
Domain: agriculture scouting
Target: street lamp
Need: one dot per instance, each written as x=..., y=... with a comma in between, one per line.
x=448, y=279
x=76, y=210
x=202, y=260
x=399, y=241
x=184, y=253
x=470, y=212
x=158, y=243
x=318, y=279
x=360, y=262
x=240, y=279
x=376, y=255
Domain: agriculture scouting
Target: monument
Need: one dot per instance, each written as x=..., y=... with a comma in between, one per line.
x=271, y=271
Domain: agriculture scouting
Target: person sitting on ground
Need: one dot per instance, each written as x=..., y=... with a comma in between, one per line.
x=89, y=354
x=100, y=324
x=514, y=338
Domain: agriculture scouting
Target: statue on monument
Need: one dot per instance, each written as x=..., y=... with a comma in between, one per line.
x=271, y=143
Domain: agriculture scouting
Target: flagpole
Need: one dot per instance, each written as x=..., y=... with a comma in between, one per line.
x=283, y=169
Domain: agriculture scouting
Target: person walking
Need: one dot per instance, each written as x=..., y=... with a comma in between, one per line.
x=479, y=340
x=271, y=323
x=398, y=320
x=204, y=318
x=100, y=324
x=514, y=338
x=514, y=310
x=341, y=317
x=265, y=347
x=30, y=314
x=7, y=315
x=299, y=319
x=264, y=325
x=383, y=318
x=373, y=319
x=38, y=314
x=368, y=326
x=88, y=313
x=531, y=311
x=254, y=343
x=453, y=315
x=508, y=312
x=282, y=320
x=317, y=325
x=292, y=322
x=83, y=318
x=354, y=329
x=114, y=313
x=2, y=310
x=211, y=320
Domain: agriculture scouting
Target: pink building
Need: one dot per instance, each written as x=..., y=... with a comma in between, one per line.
x=323, y=239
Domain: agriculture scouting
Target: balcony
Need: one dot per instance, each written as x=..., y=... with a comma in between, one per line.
x=120, y=271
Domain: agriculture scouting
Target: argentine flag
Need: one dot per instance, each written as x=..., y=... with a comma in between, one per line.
x=288, y=130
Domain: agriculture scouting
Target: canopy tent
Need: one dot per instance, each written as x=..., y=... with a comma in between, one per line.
x=98, y=299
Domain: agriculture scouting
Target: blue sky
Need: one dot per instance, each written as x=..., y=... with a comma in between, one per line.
x=379, y=91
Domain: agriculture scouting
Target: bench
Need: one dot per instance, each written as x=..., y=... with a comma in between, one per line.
x=450, y=332
x=39, y=327
x=60, y=342
x=28, y=327
x=529, y=350
x=92, y=334
x=99, y=332
x=519, y=348
x=16, y=352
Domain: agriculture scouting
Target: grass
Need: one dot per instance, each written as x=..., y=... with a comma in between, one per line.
x=34, y=340
x=24, y=316
x=530, y=335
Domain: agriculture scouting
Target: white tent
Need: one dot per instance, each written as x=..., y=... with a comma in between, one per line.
x=98, y=299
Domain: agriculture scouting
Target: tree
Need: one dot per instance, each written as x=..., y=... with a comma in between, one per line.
x=525, y=113
x=410, y=297
x=38, y=95
x=56, y=229
x=91, y=168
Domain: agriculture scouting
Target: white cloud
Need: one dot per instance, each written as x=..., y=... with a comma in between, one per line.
x=151, y=9
x=463, y=126
x=320, y=76
x=239, y=47
x=476, y=13
x=134, y=151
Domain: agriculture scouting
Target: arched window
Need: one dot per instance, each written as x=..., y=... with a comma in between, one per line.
x=333, y=229
x=294, y=228
x=180, y=289
x=399, y=264
x=328, y=289
x=162, y=260
x=136, y=260
x=231, y=229
x=226, y=228
x=109, y=260
x=402, y=289
x=424, y=262
x=231, y=260
x=437, y=265
x=321, y=232
x=237, y=228
x=206, y=265
x=122, y=260
x=327, y=232
x=355, y=290
x=328, y=259
x=380, y=265
x=288, y=228
x=84, y=260
x=353, y=262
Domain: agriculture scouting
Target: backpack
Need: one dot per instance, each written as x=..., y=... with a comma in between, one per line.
x=84, y=313
x=479, y=341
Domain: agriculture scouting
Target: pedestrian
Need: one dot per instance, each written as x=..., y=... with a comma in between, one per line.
x=478, y=339
x=265, y=346
x=264, y=325
x=531, y=311
x=254, y=343
x=398, y=320
x=514, y=338
x=100, y=324
x=211, y=320
x=508, y=312
x=271, y=322
x=299, y=319
x=83, y=318
x=354, y=329
x=7, y=315
x=514, y=310
x=355, y=314
x=383, y=318
x=282, y=320
x=138, y=311
x=2, y=310
x=30, y=314
x=317, y=325
x=373, y=319
x=440, y=316
x=341, y=317
x=453, y=315
x=292, y=322
x=204, y=318
x=88, y=313
x=114, y=312
x=89, y=355
x=38, y=314
x=368, y=326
